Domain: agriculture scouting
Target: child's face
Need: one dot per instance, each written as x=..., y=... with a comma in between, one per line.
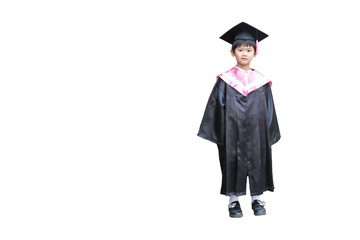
x=244, y=55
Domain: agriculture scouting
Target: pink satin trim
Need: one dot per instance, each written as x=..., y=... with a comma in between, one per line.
x=244, y=82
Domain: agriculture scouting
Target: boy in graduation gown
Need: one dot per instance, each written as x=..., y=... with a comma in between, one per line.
x=240, y=118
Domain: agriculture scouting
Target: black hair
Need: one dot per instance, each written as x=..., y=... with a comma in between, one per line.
x=243, y=42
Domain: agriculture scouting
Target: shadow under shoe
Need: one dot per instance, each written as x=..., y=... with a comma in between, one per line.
x=235, y=210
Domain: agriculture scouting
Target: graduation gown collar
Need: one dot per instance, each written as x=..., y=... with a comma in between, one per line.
x=242, y=81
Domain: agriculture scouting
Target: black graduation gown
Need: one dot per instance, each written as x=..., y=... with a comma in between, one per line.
x=244, y=128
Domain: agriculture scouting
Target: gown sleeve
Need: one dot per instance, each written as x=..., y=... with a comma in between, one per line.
x=273, y=126
x=212, y=126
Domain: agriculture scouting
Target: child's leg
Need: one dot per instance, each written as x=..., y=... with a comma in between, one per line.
x=234, y=207
x=233, y=198
x=258, y=205
x=253, y=198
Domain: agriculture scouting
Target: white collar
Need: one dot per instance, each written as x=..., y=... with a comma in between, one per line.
x=243, y=69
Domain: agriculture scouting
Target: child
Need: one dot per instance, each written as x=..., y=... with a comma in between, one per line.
x=240, y=118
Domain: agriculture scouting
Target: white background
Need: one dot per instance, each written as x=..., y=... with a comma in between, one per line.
x=100, y=104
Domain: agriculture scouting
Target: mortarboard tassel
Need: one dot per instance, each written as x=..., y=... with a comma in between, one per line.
x=257, y=47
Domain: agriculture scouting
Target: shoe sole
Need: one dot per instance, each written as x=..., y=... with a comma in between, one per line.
x=236, y=216
x=260, y=214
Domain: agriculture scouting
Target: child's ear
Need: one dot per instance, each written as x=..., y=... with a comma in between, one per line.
x=232, y=53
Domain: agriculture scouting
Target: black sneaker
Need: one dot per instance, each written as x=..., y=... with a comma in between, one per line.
x=235, y=210
x=258, y=207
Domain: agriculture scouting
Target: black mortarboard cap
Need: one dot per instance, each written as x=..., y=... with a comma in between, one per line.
x=243, y=31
